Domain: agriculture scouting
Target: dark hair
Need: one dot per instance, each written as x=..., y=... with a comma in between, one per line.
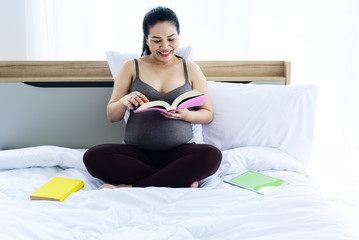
x=154, y=16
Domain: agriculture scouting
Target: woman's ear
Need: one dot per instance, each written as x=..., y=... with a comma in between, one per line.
x=147, y=42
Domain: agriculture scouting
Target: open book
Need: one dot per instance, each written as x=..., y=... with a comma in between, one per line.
x=256, y=182
x=57, y=189
x=189, y=99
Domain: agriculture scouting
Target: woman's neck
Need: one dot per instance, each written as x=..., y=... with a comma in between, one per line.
x=157, y=62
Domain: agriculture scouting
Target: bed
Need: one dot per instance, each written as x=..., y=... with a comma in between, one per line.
x=261, y=123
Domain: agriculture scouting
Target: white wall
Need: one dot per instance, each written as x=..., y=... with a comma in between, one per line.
x=85, y=29
x=12, y=30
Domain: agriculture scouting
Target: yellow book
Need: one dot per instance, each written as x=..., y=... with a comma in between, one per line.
x=57, y=189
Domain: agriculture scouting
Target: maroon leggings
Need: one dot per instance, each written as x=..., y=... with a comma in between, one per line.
x=176, y=167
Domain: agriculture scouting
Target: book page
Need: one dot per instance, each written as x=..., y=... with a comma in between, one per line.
x=180, y=98
x=157, y=103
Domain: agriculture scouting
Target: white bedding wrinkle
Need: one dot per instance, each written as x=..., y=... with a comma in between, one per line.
x=41, y=156
x=296, y=211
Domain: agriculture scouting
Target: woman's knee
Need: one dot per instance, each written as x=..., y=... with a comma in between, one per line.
x=93, y=155
x=211, y=156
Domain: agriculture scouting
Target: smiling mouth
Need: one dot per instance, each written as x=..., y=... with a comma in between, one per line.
x=165, y=54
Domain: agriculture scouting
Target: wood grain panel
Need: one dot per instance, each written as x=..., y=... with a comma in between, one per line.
x=98, y=71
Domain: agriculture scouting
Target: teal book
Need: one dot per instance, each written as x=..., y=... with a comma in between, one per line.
x=256, y=182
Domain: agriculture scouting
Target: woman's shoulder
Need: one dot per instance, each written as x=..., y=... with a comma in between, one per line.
x=195, y=72
x=128, y=68
x=193, y=67
x=129, y=65
x=191, y=63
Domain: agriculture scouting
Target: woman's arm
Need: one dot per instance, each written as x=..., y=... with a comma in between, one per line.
x=204, y=113
x=121, y=99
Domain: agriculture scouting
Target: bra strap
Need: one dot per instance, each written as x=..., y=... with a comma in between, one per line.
x=185, y=70
x=137, y=70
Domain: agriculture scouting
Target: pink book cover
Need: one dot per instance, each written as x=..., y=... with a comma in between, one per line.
x=193, y=102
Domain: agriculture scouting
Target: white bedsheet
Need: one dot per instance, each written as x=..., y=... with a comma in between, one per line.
x=215, y=211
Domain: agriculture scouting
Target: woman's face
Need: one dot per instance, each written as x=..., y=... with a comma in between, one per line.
x=163, y=40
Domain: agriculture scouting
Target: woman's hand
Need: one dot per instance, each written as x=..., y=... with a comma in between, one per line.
x=134, y=98
x=180, y=114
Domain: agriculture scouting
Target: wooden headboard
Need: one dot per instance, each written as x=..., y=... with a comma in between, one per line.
x=98, y=71
x=63, y=103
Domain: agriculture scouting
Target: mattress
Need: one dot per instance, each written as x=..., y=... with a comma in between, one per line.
x=214, y=211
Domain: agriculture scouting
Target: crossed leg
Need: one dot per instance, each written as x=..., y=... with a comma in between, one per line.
x=117, y=163
x=121, y=165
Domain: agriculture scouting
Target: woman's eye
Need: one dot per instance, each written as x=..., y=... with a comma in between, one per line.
x=170, y=40
x=157, y=41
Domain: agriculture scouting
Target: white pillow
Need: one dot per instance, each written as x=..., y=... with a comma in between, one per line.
x=116, y=59
x=274, y=116
x=237, y=160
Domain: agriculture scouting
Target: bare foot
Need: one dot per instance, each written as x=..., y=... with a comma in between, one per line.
x=194, y=185
x=111, y=186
